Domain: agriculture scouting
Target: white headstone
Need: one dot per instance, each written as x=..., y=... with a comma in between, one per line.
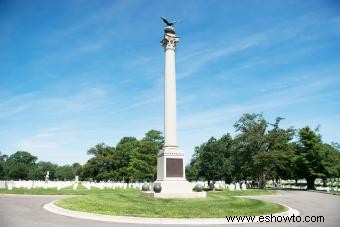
x=237, y=186
x=75, y=186
x=244, y=186
x=9, y=185
x=2, y=184
x=231, y=187
x=47, y=177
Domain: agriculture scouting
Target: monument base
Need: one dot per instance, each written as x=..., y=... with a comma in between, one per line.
x=176, y=189
x=171, y=176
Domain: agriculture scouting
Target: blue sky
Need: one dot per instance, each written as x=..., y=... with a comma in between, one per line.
x=76, y=73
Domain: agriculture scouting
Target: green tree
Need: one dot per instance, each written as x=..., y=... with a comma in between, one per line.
x=143, y=165
x=99, y=167
x=262, y=150
x=40, y=170
x=76, y=168
x=249, y=142
x=125, y=150
x=23, y=157
x=226, y=144
x=130, y=160
x=137, y=159
x=314, y=159
x=3, y=158
x=212, y=160
x=19, y=164
x=64, y=172
x=155, y=137
x=192, y=169
x=330, y=160
x=279, y=151
x=100, y=149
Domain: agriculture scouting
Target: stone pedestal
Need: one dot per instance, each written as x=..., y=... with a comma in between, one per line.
x=170, y=164
x=171, y=175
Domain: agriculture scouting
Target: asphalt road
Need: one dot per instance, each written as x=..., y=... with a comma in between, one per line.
x=25, y=211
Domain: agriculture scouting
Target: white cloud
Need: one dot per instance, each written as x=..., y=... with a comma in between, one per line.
x=200, y=55
x=278, y=99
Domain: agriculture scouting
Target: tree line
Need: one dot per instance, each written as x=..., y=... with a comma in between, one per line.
x=259, y=151
x=130, y=160
x=22, y=165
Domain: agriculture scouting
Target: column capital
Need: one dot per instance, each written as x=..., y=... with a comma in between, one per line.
x=169, y=41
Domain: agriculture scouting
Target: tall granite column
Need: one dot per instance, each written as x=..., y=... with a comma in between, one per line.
x=170, y=160
x=170, y=163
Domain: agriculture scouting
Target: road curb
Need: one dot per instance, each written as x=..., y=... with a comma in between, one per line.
x=51, y=207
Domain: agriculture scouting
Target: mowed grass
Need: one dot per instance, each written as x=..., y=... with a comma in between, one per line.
x=130, y=202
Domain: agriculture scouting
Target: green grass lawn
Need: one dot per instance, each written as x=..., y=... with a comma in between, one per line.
x=130, y=202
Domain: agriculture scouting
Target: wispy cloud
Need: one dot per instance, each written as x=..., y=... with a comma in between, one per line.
x=11, y=105
x=202, y=57
x=199, y=56
x=50, y=143
x=96, y=18
x=305, y=91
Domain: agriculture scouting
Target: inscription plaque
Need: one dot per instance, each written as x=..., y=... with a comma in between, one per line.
x=174, y=167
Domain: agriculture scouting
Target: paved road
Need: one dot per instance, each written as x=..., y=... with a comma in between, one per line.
x=26, y=211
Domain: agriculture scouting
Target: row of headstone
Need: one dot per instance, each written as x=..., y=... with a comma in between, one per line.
x=328, y=189
x=113, y=185
x=222, y=185
x=120, y=185
x=295, y=187
x=63, y=184
x=331, y=184
x=35, y=184
x=237, y=186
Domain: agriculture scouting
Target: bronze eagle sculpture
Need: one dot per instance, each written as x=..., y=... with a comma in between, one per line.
x=167, y=22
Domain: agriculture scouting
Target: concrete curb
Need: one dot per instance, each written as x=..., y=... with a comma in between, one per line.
x=140, y=220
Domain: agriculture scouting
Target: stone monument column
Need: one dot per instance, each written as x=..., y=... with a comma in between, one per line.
x=170, y=161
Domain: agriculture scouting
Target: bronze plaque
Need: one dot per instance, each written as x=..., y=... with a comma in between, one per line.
x=174, y=167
